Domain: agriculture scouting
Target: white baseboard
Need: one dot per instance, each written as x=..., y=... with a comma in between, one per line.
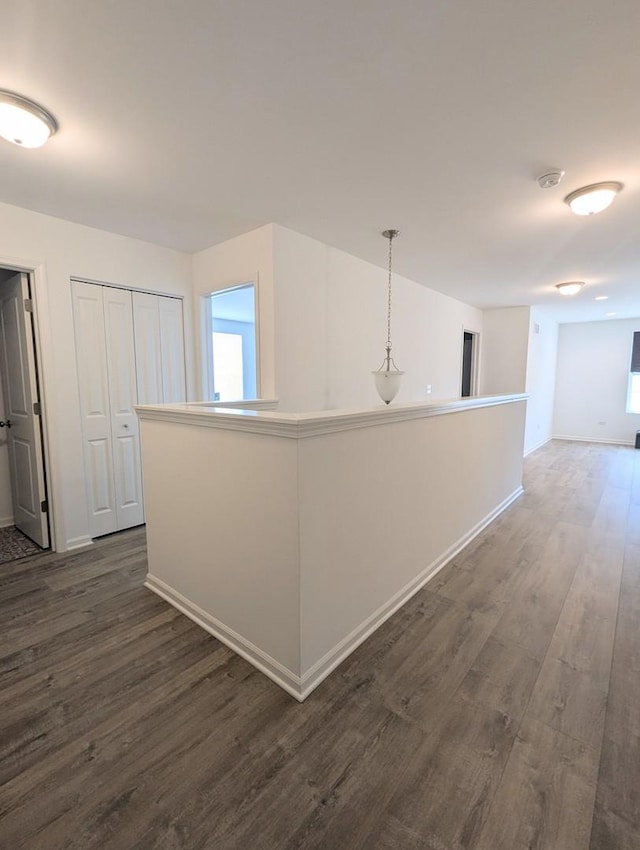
x=322, y=668
x=280, y=674
x=6, y=521
x=301, y=686
x=537, y=446
x=594, y=440
x=78, y=542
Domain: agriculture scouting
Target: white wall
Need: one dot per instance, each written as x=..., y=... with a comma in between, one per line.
x=504, y=347
x=330, y=321
x=245, y=258
x=592, y=379
x=540, y=379
x=59, y=250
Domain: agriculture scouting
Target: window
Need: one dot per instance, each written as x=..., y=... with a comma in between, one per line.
x=231, y=344
x=633, y=394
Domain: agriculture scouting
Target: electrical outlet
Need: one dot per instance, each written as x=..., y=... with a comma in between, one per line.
x=428, y=389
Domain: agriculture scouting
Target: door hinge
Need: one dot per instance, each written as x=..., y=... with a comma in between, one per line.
x=36, y=408
x=44, y=507
x=28, y=305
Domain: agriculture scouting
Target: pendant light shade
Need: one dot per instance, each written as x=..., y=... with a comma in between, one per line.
x=24, y=122
x=388, y=377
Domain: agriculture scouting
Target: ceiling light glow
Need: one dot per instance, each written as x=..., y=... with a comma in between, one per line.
x=570, y=287
x=601, y=298
x=23, y=122
x=593, y=199
x=609, y=314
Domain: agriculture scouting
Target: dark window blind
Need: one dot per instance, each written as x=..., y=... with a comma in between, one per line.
x=635, y=353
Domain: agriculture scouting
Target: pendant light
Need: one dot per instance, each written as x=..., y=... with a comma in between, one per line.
x=388, y=377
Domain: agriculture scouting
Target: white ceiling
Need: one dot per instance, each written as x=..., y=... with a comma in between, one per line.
x=186, y=122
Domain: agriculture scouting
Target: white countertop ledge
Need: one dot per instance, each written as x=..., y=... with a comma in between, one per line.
x=300, y=425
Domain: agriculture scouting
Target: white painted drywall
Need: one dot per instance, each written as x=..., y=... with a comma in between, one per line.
x=61, y=250
x=292, y=538
x=540, y=379
x=331, y=326
x=240, y=260
x=504, y=347
x=592, y=379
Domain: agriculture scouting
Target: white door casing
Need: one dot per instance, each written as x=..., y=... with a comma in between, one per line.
x=21, y=393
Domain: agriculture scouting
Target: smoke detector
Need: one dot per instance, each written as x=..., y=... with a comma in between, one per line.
x=550, y=179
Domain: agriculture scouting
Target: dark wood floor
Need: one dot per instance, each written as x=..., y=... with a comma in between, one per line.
x=498, y=710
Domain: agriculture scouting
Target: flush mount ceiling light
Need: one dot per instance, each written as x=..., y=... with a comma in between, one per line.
x=601, y=298
x=24, y=122
x=571, y=287
x=592, y=199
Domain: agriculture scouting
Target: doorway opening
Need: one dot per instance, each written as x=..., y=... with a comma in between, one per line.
x=24, y=506
x=469, y=382
x=232, y=344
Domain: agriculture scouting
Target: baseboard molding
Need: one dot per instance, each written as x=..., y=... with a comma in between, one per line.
x=78, y=542
x=322, y=668
x=537, y=446
x=301, y=686
x=281, y=675
x=6, y=521
x=593, y=440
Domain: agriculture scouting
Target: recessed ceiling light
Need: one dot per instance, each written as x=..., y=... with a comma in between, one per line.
x=610, y=314
x=601, y=298
x=24, y=122
x=570, y=287
x=593, y=199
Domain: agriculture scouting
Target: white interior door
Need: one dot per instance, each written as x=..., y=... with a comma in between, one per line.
x=93, y=379
x=125, y=440
x=23, y=424
x=148, y=357
x=172, y=350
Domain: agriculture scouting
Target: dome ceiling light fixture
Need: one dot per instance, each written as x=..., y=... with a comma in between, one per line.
x=570, y=287
x=24, y=122
x=593, y=199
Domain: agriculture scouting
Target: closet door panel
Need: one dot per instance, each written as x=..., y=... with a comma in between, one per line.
x=172, y=349
x=121, y=362
x=93, y=381
x=147, y=357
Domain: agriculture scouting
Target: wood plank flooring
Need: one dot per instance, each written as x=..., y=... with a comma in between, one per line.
x=498, y=710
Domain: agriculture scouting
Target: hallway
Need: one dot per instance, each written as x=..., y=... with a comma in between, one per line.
x=498, y=710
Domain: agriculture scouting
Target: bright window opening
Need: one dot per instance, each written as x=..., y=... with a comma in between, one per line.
x=633, y=396
x=232, y=349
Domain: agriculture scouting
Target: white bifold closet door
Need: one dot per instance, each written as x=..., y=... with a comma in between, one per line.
x=159, y=348
x=105, y=351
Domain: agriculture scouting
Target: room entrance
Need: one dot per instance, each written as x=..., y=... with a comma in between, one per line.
x=469, y=382
x=24, y=506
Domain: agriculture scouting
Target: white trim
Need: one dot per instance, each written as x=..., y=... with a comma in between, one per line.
x=537, y=446
x=43, y=345
x=246, y=404
x=593, y=440
x=301, y=425
x=280, y=674
x=78, y=542
x=6, y=521
x=322, y=668
x=126, y=287
x=301, y=686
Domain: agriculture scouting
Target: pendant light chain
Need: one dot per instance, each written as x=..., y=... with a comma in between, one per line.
x=391, y=235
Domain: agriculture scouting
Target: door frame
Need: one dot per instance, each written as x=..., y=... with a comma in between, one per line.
x=475, y=359
x=42, y=341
